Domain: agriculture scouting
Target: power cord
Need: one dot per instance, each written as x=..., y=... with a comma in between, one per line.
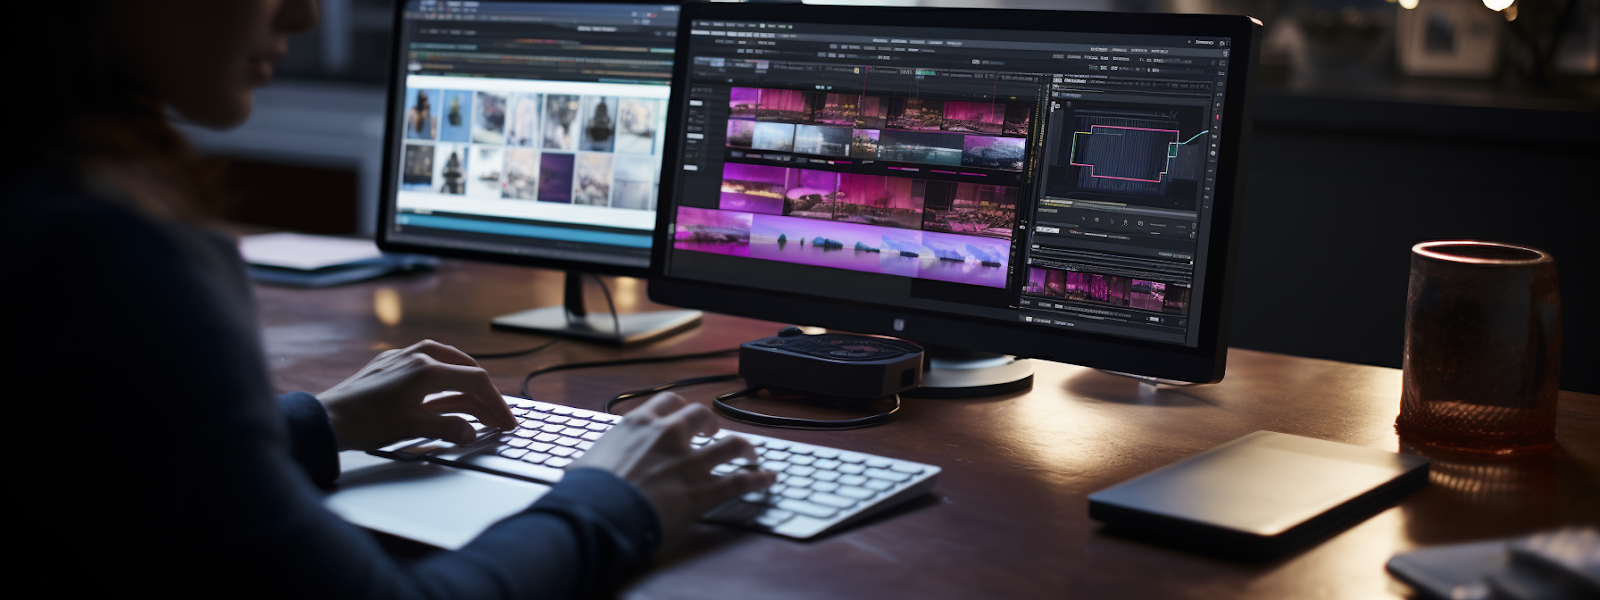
x=623, y=362
x=755, y=418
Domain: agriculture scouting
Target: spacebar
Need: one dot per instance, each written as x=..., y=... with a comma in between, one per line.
x=517, y=468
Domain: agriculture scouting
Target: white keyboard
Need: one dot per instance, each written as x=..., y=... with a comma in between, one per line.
x=818, y=488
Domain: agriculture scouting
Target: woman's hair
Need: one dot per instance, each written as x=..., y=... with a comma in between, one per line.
x=88, y=113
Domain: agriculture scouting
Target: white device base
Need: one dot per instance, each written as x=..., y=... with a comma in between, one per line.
x=627, y=329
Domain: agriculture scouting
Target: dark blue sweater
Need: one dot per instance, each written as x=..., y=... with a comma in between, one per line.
x=157, y=460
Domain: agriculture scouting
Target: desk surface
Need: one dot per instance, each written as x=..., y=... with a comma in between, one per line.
x=1009, y=516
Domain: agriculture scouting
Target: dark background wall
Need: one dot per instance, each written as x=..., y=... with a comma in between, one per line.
x=1340, y=189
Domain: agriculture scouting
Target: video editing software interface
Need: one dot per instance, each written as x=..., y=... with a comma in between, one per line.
x=533, y=129
x=1057, y=179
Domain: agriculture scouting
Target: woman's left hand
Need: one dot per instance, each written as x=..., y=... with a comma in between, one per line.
x=384, y=402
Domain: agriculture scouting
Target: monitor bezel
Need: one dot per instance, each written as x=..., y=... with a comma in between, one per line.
x=1204, y=363
x=388, y=187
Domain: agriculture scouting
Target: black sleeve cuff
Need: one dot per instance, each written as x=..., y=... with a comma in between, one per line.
x=612, y=505
x=311, y=439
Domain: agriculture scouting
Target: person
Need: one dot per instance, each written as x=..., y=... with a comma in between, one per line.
x=155, y=458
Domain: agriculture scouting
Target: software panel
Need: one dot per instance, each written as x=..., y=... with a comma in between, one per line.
x=1051, y=180
x=532, y=132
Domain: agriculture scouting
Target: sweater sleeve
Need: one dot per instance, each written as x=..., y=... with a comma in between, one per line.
x=311, y=438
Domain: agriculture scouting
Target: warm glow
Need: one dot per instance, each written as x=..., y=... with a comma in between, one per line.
x=386, y=305
x=1497, y=5
x=1408, y=4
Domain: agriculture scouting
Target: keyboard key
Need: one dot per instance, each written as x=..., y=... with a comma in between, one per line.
x=806, y=508
x=826, y=453
x=852, y=469
x=800, y=470
x=598, y=426
x=824, y=486
x=561, y=410
x=852, y=479
x=802, y=460
x=796, y=493
x=851, y=457
x=889, y=475
x=562, y=451
x=880, y=463
x=827, y=463
x=573, y=431
x=567, y=441
x=558, y=462
x=777, y=488
x=778, y=444
x=832, y=500
x=552, y=427
x=794, y=481
x=526, y=433
x=755, y=497
x=775, y=455
x=799, y=449
x=513, y=452
x=556, y=419
x=855, y=492
x=592, y=436
x=535, y=457
x=879, y=484
x=906, y=468
x=540, y=446
x=585, y=445
x=825, y=475
x=775, y=466
x=517, y=442
x=546, y=437
x=723, y=469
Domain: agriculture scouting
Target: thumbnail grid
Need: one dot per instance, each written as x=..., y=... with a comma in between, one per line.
x=927, y=229
x=1108, y=290
x=560, y=148
x=952, y=133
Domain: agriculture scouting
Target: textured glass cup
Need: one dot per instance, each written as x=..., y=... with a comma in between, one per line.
x=1483, y=348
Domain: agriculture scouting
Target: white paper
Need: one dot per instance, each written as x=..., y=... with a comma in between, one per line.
x=305, y=252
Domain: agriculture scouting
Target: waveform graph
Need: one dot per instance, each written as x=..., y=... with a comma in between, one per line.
x=1123, y=154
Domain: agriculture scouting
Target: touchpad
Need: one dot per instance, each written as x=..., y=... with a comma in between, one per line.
x=433, y=504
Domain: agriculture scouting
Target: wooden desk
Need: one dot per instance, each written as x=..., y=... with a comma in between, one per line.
x=1008, y=518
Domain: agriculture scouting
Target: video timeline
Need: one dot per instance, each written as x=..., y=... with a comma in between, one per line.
x=951, y=133
x=1108, y=290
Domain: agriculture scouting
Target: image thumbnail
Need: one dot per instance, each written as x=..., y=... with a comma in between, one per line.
x=1016, y=121
x=416, y=168
x=523, y=128
x=786, y=106
x=973, y=117
x=422, y=114
x=920, y=147
x=827, y=141
x=560, y=122
x=593, y=178
x=744, y=103
x=489, y=118
x=634, y=182
x=774, y=136
x=456, y=126
x=993, y=152
x=487, y=164
x=1176, y=300
x=837, y=109
x=901, y=252
x=555, y=178
x=964, y=259
x=754, y=188
x=817, y=243
x=810, y=194
x=872, y=112
x=919, y=114
x=1147, y=295
x=741, y=134
x=522, y=174
x=598, y=124
x=486, y=171
x=1094, y=287
x=715, y=231
x=638, y=119
x=450, y=168
x=1036, y=281
x=877, y=200
x=969, y=208
x=864, y=143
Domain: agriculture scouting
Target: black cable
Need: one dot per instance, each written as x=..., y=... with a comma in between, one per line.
x=515, y=353
x=754, y=418
x=625, y=396
x=623, y=362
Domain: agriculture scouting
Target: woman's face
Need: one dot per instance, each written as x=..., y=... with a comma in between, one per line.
x=204, y=58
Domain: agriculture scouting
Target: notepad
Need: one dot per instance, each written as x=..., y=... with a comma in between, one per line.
x=1259, y=496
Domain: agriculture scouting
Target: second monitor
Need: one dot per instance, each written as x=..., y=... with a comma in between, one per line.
x=1040, y=184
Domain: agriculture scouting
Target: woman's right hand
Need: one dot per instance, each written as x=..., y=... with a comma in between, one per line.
x=650, y=449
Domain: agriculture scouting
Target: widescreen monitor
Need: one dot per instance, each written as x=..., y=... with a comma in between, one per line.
x=1039, y=184
x=532, y=133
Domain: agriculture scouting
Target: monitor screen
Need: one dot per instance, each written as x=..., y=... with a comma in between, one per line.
x=529, y=132
x=1061, y=181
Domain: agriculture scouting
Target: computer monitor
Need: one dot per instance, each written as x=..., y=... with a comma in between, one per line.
x=532, y=133
x=1039, y=184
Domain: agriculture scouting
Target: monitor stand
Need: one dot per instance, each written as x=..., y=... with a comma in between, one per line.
x=954, y=373
x=572, y=320
x=1147, y=384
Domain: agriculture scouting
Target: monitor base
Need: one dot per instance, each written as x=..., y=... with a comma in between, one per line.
x=627, y=329
x=572, y=320
x=966, y=374
x=1147, y=383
